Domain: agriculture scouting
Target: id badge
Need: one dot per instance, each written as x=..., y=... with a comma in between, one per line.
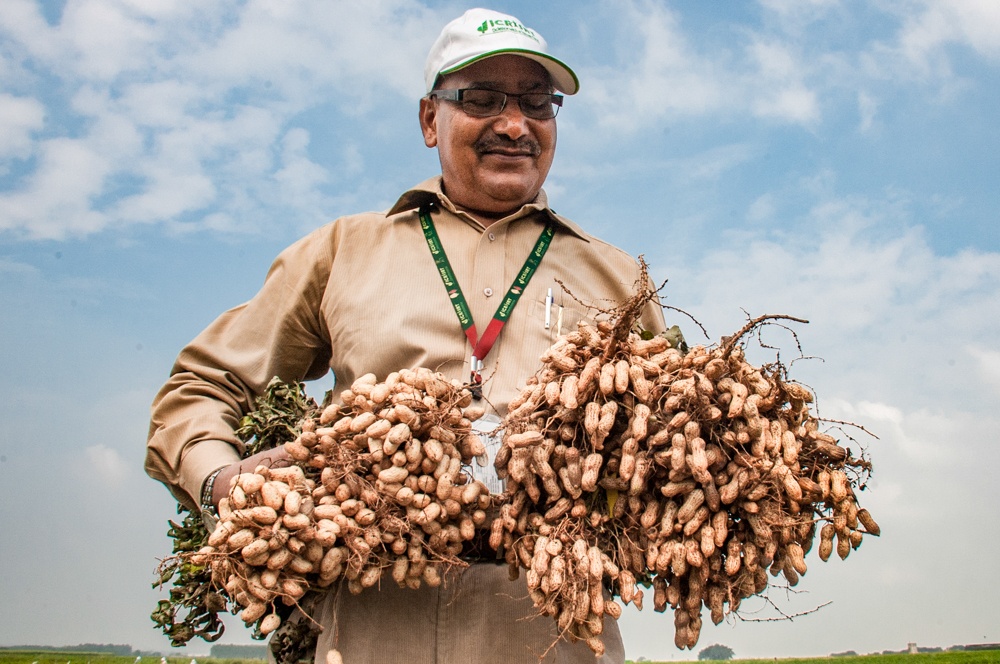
x=487, y=428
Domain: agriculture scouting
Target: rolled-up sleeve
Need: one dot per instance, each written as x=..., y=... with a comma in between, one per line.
x=216, y=378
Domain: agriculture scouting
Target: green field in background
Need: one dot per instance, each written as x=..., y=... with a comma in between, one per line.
x=66, y=657
x=956, y=657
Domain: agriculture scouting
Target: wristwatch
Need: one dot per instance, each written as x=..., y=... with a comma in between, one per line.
x=209, y=514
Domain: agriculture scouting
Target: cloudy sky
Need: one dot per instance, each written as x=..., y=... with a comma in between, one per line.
x=833, y=160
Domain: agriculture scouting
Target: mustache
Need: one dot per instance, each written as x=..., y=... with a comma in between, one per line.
x=495, y=143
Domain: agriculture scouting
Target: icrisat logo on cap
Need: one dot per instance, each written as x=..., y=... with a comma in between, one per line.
x=491, y=26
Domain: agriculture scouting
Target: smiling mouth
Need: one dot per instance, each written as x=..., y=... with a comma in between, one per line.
x=508, y=154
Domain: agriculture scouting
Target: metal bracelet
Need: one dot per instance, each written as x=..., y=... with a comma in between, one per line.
x=206, y=492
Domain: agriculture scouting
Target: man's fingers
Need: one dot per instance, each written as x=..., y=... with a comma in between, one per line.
x=273, y=458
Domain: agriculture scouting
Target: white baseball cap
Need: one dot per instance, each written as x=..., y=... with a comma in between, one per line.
x=482, y=33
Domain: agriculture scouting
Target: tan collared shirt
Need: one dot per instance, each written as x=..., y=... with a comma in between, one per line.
x=361, y=295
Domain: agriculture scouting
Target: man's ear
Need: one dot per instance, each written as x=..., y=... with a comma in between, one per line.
x=428, y=121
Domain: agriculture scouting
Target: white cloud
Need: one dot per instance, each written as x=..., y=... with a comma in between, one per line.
x=662, y=73
x=22, y=22
x=20, y=117
x=937, y=23
x=109, y=37
x=867, y=109
x=778, y=89
x=162, y=103
x=300, y=179
x=312, y=48
x=175, y=112
x=782, y=70
x=713, y=163
x=169, y=193
x=862, y=262
x=899, y=574
x=16, y=268
x=794, y=103
x=106, y=464
x=808, y=8
x=762, y=208
x=923, y=445
x=904, y=334
x=988, y=364
x=57, y=197
x=922, y=48
x=183, y=109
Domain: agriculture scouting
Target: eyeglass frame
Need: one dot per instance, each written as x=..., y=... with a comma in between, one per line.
x=456, y=94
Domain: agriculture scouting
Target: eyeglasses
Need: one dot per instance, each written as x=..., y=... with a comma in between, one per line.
x=482, y=103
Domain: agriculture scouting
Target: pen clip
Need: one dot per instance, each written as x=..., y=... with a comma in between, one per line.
x=548, y=310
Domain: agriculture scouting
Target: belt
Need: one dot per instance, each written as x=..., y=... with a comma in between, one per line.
x=478, y=550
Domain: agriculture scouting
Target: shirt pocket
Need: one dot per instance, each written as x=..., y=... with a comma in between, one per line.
x=553, y=319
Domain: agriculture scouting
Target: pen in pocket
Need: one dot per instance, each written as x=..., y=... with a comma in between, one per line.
x=548, y=310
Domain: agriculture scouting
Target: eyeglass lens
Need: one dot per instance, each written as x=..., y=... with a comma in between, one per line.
x=486, y=103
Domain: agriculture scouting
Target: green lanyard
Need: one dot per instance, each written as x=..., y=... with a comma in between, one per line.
x=481, y=346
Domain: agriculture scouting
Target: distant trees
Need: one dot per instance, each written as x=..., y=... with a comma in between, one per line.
x=122, y=650
x=716, y=652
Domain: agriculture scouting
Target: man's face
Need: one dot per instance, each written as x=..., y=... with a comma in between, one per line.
x=491, y=166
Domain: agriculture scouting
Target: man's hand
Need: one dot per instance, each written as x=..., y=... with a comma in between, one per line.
x=274, y=458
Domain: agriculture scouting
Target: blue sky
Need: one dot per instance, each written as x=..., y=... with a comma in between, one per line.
x=834, y=160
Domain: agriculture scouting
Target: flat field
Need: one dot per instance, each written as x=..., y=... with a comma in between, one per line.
x=956, y=657
x=65, y=657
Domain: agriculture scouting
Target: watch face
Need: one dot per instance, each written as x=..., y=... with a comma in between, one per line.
x=209, y=518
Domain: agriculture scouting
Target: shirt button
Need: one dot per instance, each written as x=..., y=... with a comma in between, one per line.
x=488, y=292
x=492, y=237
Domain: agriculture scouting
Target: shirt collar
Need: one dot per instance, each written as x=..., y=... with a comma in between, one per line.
x=430, y=191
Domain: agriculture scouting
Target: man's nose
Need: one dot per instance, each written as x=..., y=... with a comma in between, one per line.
x=511, y=122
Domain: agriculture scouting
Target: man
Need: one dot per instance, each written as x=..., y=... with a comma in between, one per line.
x=364, y=294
